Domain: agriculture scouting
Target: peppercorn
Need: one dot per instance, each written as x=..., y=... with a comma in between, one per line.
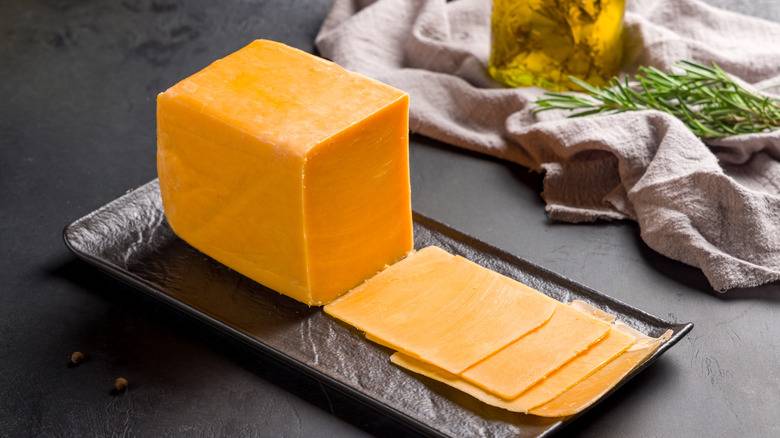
x=120, y=384
x=76, y=358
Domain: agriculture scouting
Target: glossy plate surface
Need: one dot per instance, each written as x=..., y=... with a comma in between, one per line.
x=130, y=239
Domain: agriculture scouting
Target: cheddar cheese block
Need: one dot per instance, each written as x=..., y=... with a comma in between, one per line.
x=567, y=376
x=288, y=169
x=523, y=363
x=592, y=388
x=443, y=309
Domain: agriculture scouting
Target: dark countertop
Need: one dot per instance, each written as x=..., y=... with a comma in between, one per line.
x=77, y=87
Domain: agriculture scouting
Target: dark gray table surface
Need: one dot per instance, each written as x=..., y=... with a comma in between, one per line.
x=77, y=87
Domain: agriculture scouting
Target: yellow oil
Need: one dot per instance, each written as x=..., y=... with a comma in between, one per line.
x=543, y=42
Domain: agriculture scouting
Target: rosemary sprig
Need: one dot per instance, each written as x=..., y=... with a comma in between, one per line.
x=706, y=99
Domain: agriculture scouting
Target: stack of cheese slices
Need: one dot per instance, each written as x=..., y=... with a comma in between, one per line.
x=494, y=338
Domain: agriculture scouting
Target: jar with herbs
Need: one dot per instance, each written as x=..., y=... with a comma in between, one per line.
x=543, y=42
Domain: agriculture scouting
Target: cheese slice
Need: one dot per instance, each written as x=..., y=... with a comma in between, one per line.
x=577, y=304
x=595, y=312
x=288, y=169
x=381, y=342
x=592, y=388
x=521, y=364
x=567, y=376
x=569, y=402
x=443, y=309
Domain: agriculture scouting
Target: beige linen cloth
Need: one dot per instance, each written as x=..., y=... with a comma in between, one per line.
x=716, y=207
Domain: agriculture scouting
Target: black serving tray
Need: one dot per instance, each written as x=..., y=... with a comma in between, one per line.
x=130, y=239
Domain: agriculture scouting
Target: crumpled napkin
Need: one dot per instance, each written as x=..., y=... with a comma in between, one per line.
x=716, y=207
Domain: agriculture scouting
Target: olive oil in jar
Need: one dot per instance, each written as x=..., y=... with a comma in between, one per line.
x=543, y=42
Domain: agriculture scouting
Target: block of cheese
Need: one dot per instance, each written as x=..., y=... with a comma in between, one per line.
x=565, y=377
x=288, y=169
x=592, y=388
x=528, y=360
x=443, y=309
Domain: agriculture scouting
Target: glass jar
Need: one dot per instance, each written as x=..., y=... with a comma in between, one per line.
x=543, y=42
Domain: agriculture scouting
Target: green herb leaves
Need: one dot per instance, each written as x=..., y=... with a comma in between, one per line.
x=706, y=99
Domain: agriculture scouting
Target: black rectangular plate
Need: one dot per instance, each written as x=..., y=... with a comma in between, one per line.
x=130, y=239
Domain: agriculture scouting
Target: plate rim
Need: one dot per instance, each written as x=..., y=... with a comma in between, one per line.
x=680, y=330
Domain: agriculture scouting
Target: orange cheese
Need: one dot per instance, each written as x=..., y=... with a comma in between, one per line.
x=521, y=364
x=381, y=342
x=592, y=388
x=288, y=169
x=595, y=312
x=443, y=309
x=567, y=376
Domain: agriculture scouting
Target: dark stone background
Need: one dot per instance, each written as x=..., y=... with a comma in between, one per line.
x=77, y=87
